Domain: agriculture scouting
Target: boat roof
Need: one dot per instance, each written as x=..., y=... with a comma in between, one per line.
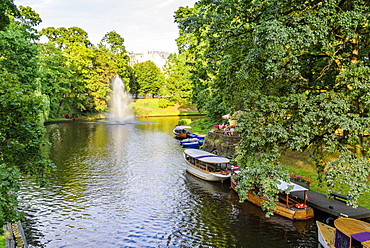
x=206, y=157
x=284, y=186
x=350, y=226
x=182, y=127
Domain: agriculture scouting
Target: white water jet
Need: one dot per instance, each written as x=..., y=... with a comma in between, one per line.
x=119, y=103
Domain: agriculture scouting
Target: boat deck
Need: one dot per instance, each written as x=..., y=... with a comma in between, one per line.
x=327, y=234
x=322, y=202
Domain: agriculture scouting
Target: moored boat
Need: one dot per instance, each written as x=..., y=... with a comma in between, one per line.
x=346, y=233
x=181, y=132
x=188, y=140
x=195, y=144
x=197, y=136
x=206, y=165
x=287, y=206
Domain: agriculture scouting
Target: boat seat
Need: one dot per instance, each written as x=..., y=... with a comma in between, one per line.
x=340, y=197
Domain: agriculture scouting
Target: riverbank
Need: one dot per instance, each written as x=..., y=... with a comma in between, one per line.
x=151, y=107
x=295, y=162
x=14, y=236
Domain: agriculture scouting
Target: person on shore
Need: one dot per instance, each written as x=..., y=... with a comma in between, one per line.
x=232, y=129
x=227, y=130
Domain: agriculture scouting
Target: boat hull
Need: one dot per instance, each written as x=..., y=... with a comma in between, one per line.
x=180, y=136
x=346, y=233
x=281, y=210
x=208, y=176
x=325, y=235
x=191, y=146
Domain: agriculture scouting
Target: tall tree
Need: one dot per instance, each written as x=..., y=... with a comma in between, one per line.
x=22, y=146
x=299, y=70
x=149, y=77
x=56, y=79
x=92, y=68
x=114, y=45
x=177, y=85
x=194, y=43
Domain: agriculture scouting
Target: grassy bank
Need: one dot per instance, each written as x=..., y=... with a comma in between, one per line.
x=156, y=107
x=146, y=108
x=299, y=163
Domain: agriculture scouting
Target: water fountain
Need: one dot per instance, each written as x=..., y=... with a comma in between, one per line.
x=120, y=110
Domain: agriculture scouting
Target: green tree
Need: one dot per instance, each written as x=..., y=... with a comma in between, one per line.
x=299, y=70
x=133, y=85
x=91, y=67
x=56, y=79
x=22, y=146
x=74, y=44
x=102, y=69
x=149, y=77
x=177, y=84
x=7, y=8
x=194, y=43
x=114, y=45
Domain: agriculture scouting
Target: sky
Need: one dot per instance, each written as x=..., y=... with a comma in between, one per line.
x=144, y=24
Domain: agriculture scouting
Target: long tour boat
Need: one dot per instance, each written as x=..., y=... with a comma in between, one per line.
x=346, y=233
x=287, y=206
x=206, y=165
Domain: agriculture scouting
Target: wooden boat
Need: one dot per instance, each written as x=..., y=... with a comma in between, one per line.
x=287, y=206
x=346, y=233
x=181, y=132
x=206, y=165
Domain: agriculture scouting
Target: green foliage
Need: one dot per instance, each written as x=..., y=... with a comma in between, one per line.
x=184, y=122
x=163, y=103
x=149, y=78
x=56, y=80
x=203, y=125
x=84, y=69
x=22, y=146
x=7, y=8
x=298, y=69
x=2, y=239
x=262, y=177
x=177, y=85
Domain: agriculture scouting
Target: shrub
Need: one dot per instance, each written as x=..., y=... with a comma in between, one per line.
x=163, y=103
x=184, y=122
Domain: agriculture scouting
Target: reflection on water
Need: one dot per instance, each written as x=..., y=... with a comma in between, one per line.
x=126, y=186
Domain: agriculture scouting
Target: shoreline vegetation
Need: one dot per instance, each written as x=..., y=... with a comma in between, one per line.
x=294, y=162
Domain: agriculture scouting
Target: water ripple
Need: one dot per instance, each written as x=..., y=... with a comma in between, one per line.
x=126, y=186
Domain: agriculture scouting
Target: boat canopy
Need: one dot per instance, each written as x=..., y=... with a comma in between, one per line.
x=284, y=186
x=182, y=127
x=350, y=226
x=206, y=157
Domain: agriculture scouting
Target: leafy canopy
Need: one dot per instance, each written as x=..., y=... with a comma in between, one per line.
x=300, y=72
x=23, y=145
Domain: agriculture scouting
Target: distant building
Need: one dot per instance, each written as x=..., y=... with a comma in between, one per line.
x=158, y=58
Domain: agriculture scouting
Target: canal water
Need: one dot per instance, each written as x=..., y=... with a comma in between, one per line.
x=126, y=186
